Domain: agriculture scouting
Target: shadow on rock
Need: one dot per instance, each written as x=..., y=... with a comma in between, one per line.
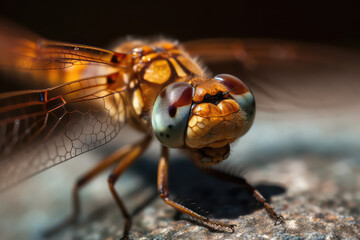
x=188, y=185
x=198, y=190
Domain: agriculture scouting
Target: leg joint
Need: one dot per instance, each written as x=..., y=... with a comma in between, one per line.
x=81, y=181
x=163, y=193
x=112, y=178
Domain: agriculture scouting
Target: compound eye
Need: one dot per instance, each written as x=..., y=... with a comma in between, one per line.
x=240, y=92
x=171, y=114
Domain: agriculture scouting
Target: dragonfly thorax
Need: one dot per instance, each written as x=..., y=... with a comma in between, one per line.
x=153, y=66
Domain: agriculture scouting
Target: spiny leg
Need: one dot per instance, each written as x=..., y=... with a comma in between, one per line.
x=95, y=171
x=242, y=181
x=130, y=157
x=164, y=194
x=122, y=154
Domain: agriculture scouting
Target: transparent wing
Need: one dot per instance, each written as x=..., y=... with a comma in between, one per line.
x=288, y=78
x=39, y=129
x=21, y=50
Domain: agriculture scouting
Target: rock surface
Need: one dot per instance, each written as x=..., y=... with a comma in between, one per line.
x=315, y=186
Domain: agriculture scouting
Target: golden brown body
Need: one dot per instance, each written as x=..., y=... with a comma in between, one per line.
x=149, y=82
x=151, y=67
x=154, y=65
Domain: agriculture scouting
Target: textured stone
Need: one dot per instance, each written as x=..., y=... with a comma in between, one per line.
x=314, y=184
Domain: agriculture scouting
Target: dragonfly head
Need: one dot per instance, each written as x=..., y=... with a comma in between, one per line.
x=204, y=115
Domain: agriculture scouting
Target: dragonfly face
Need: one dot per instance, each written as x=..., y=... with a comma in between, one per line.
x=193, y=110
x=204, y=115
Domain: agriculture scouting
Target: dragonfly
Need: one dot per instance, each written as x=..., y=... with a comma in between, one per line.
x=165, y=89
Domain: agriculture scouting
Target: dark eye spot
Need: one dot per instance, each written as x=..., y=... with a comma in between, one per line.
x=170, y=126
x=172, y=110
x=167, y=136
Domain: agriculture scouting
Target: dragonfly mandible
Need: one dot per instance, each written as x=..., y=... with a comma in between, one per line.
x=158, y=88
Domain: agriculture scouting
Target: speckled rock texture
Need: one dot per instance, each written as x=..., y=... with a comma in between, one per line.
x=310, y=176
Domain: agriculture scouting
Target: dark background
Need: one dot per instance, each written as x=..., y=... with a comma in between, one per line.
x=99, y=23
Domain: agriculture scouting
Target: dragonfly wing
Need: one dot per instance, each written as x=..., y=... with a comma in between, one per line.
x=39, y=129
x=21, y=50
x=287, y=78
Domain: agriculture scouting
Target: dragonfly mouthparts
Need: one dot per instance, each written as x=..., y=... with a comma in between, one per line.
x=209, y=156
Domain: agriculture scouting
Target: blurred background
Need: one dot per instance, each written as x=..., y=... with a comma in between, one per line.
x=99, y=23
x=310, y=171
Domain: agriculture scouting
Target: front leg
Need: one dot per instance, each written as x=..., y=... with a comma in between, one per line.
x=164, y=194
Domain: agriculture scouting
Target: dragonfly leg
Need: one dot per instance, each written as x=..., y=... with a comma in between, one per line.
x=126, y=155
x=134, y=152
x=164, y=194
x=95, y=171
x=255, y=193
